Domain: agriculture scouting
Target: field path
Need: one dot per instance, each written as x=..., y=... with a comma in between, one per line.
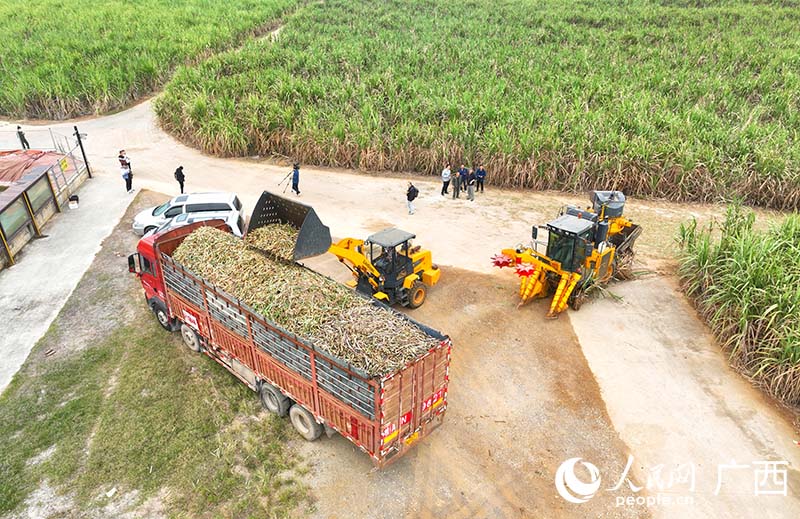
x=652, y=350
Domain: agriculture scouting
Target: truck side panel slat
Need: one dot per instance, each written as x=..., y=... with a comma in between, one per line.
x=352, y=425
x=292, y=356
x=232, y=344
x=295, y=387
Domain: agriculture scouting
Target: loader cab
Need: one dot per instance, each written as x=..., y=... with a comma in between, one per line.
x=570, y=241
x=389, y=254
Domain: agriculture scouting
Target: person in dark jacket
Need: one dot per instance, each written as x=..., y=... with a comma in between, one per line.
x=456, y=181
x=480, y=177
x=125, y=168
x=22, y=140
x=296, y=179
x=463, y=174
x=180, y=177
x=411, y=195
x=471, y=179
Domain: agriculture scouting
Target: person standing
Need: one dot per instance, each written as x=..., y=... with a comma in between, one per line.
x=445, y=178
x=125, y=167
x=480, y=177
x=471, y=179
x=22, y=140
x=296, y=179
x=411, y=195
x=180, y=177
x=456, y=179
x=463, y=172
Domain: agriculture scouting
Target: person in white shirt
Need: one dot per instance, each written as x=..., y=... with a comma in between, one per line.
x=445, y=178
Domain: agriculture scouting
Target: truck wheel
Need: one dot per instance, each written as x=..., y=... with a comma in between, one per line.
x=305, y=423
x=190, y=338
x=162, y=316
x=273, y=400
x=416, y=295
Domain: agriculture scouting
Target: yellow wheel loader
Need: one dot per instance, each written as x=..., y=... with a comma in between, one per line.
x=388, y=267
x=585, y=247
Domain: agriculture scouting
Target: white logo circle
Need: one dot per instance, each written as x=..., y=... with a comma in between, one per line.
x=573, y=489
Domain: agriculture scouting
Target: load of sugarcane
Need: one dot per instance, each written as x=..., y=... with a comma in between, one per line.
x=317, y=308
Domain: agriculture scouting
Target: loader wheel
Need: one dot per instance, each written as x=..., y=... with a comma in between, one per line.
x=416, y=295
x=190, y=338
x=273, y=400
x=305, y=423
x=162, y=316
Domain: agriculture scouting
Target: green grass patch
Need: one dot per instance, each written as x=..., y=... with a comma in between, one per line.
x=746, y=284
x=685, y=100
x=66, y=58
x=137, y=411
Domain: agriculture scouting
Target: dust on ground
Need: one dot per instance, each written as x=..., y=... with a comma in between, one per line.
x=674, y=400
x=521, y=401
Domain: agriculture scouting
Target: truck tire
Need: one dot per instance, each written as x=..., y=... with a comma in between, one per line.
x=273, y=400
x=304, y=423
x=162, y=316
x=416, y=295
x=190, y=338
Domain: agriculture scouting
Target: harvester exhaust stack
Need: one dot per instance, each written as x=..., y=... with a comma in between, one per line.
x=313, y=238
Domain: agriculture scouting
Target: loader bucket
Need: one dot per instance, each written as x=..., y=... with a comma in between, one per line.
x=313, y=239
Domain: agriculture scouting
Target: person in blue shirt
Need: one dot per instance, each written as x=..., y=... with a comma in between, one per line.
x=480, y=176
x=463, y=172
x=296, y=179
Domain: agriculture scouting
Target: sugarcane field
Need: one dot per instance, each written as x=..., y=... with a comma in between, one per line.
x=416, y=258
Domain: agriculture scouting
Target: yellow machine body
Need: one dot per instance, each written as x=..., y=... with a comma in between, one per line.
x=592, y=241
x=388, y=267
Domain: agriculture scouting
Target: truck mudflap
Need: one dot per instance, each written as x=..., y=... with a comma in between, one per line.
x=413, y=401
x=314, y=237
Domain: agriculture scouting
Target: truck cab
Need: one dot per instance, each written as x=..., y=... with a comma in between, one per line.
x=143, y=263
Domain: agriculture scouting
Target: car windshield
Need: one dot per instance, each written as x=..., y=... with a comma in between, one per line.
x=158, y=211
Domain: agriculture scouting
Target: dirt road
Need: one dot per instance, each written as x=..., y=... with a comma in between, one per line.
x=674, y=400
x=520, y=403
x=509, y=365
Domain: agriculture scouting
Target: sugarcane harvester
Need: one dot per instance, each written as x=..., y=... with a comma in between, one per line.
x=387, y=267
x=585, y=248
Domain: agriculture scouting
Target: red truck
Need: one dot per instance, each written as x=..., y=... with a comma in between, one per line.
x=382, y=415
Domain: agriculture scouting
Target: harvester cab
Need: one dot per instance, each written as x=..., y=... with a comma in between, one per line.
x=585, y=247
x=313, y=237
x=387, y=267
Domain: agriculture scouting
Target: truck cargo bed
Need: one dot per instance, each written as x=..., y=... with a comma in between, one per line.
x=383, y=415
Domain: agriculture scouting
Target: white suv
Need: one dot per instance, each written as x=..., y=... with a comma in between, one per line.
x=154, y=217
x=232, y=218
